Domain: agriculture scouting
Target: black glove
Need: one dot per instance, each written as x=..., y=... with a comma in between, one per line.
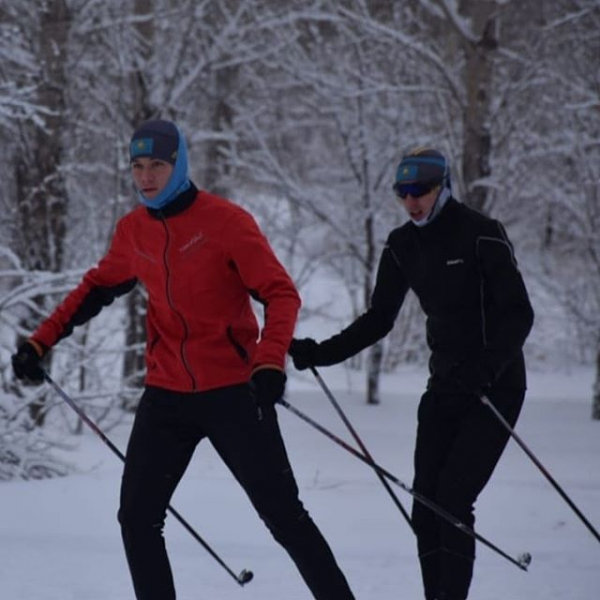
x=303, y=353
x=26, y=364
x=472, y=377
x=268, y=385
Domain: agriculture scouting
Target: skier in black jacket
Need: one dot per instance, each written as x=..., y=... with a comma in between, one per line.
x=462, y=268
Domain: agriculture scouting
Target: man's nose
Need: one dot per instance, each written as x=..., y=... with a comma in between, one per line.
x=146, y=174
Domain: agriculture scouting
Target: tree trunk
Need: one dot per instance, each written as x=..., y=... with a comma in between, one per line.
x=375, y=360
x=135, y=335
x=142, y=110
x=596, y=396
x=216, y=167
x=374, y=366
x=40, y=187
x=479, y=59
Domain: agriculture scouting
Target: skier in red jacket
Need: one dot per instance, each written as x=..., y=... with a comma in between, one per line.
x=201, y=258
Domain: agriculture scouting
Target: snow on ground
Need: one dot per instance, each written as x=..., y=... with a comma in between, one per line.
x=59, y=539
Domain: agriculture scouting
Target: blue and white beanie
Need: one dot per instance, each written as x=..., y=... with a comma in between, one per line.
x=163, y=140
x=426, y=166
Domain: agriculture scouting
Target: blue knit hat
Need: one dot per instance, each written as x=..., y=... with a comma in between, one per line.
x=423, y=165
x=155, y=139
x=163, y=140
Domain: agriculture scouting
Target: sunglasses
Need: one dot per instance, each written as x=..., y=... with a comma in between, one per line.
x=416, y=190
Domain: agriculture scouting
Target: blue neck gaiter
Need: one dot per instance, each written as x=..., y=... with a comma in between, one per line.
x=178, y=182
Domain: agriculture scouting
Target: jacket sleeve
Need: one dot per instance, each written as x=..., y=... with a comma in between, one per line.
x=112, y=277
x=267, y=282
x=386, y=301
x=505, y=297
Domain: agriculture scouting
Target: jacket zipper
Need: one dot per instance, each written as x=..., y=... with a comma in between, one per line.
x=182, y=352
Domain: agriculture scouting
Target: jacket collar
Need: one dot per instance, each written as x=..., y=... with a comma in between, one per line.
x=176, y=206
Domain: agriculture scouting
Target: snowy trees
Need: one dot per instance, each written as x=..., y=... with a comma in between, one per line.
x=570, y=246
x=362, y=82
x=300, y=110
x=338, y=207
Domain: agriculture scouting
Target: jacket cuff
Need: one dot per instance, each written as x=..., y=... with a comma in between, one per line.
x=266, y=366
x=40, y=348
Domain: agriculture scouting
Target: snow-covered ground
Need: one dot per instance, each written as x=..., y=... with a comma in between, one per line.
x=59, y=538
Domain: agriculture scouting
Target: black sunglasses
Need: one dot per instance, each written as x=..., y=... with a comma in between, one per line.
x=416, y=190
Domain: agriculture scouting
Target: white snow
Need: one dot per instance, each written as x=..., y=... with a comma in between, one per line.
x=59, y=539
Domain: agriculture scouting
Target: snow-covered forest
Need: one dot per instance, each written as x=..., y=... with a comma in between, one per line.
x=300, y=111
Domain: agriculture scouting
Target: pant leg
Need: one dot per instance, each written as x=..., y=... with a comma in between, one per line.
x=254, y=451
x=475, y=452
x=159, y=450
x=435, y=434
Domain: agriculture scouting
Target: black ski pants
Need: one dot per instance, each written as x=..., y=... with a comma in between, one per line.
x=168, y=426
x=459, y=443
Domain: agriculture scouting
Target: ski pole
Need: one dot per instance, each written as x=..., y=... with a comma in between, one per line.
x=539, y=465
x=356, y=437
x=522, y=561
x=244, y=577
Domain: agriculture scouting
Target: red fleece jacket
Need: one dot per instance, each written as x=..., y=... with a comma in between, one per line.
x=200, y=268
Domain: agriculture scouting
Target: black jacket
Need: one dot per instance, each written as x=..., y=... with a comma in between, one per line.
x=463, y=270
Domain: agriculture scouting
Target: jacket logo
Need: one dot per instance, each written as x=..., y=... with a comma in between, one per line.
x=454, y=261
x=198, y=237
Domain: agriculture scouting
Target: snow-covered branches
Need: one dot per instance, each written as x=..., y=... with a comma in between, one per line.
x=301, y=111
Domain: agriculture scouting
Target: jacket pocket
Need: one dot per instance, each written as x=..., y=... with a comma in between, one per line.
x=240, y=350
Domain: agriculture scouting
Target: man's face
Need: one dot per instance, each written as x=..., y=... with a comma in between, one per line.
x=150, y=175
x=419, y=207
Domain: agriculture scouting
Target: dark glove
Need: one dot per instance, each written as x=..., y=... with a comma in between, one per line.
x=26, y=364
x=268, y=385
x=303, y=353
x=472, y=377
